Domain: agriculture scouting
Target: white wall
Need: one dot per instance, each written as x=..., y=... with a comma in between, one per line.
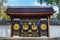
x=4, y=30
x=54, y=31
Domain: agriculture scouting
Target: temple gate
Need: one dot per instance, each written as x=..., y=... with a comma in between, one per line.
x=30, y=21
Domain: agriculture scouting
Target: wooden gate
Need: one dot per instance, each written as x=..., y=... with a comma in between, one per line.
x=30, y=28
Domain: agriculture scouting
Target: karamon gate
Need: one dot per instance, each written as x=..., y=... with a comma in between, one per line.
x=30, y=21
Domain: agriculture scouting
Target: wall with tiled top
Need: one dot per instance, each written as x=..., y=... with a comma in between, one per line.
x=54, y=31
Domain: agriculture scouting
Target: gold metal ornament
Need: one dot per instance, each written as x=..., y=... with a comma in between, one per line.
x=43, y=33
x=29, y=30
x=34, y=27
x=30, y=23
x=16, y=27
x=43, y=27
x=22, y=34
x=29, y=34
x=25, y=26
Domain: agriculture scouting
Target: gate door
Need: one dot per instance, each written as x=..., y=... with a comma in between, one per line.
x=16, y=28
x=30, y=28
x=44, y=28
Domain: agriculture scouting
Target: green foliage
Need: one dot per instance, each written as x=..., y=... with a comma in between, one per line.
x=58, y=16
x=47, y=1
x=40, y=1
x=3, y=16
x=52, y=2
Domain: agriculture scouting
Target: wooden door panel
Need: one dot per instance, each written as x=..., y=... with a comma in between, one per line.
x=30, y=28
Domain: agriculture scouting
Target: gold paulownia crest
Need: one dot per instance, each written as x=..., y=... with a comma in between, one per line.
x=43, y=26
x=16, y=27
x=34, y=27
x=25, y=26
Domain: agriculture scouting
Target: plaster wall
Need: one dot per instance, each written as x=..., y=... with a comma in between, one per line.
x=54, y=31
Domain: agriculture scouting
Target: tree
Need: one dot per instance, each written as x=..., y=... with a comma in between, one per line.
x=1, y=3
x=2, y=9
x=52, y=2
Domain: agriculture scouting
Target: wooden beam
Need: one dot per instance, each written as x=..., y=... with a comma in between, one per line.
x=40, y=13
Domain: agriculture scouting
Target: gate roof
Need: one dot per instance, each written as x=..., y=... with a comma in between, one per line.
x=18, y=11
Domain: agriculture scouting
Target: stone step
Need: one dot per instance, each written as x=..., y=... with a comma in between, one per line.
x=26, y=38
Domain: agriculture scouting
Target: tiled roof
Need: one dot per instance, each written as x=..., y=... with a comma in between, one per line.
x=52, y=22
x=4, y=22
x=17, y=9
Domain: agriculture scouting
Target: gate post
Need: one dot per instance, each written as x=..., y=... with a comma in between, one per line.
x=11, y=27
x=48, y=26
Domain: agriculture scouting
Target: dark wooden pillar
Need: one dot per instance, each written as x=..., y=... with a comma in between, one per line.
x=11, y=27
x=48, y=26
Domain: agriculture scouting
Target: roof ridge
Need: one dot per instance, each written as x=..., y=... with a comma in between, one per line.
x=29, y=7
